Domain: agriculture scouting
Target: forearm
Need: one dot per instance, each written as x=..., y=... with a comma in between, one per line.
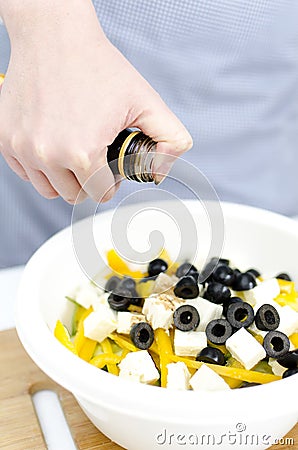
x=24, y=17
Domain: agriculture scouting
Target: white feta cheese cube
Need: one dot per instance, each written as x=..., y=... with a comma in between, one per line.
x=245, y=348
x=159, y=310
x=267, y=290
x=205, y=379
x=178, y=376
x=126, y=320
x=207, y=311
x=138, y=366
x=100, y=323
x=288, y=320
x=164, y=282
x=189, y=343
x=87, y=294
x=277, y=369
x=101, y=300
x=268, y=301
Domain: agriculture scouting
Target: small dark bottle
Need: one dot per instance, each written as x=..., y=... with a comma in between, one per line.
x=131, y=155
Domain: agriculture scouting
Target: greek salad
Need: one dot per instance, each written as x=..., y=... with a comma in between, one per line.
x=235, y=330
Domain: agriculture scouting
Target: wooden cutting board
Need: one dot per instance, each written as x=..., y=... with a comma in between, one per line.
x=20, y=378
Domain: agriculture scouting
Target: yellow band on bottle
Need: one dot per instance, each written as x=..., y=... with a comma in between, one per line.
x=123, y=150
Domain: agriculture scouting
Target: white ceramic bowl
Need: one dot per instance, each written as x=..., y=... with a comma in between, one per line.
x=145, y=417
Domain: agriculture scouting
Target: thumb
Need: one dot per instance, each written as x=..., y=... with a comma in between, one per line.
x=164, y=127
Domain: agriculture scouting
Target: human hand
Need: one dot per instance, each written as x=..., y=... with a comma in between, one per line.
x=67, y=94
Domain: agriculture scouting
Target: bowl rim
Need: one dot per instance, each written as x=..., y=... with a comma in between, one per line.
x=93, y=385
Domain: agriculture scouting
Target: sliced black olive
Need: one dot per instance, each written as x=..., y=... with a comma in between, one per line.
x=223, y=274
x=207, y=271
x=289, y=373
x=229, y=302
x=218, y=331
x=219, y=261
x=112, y=283
x=276, y=344
x=284, y=276
x=211, y=355
x=240, y=315
x=187, y=287
x=206, y=275
x=254, y=272
x=157, y=266
x=127, y=283
x=136, y=300
x=187, y=269
x=217, y=292
x=186, y=318
x=267, y=318
x=224, y=261
x=142, y=335
x=244, y=282
x=289, y=360
x=120, y=300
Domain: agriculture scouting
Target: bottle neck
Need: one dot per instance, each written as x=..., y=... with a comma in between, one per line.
x=131, y=155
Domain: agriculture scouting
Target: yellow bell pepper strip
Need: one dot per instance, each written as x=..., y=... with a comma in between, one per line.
x=104, y=359
x=233, y=382
x=80, y=339
x=165, y=351
x=87, y=349
x=232, y=362
x=123, y=342
x=154, y=348
x=144, y=289
x=286, y=287
x=61, y=333
x=294, y=339
x=124, y=353
x=288, y=295
x=288, y=300
x=78, y=312
x=107, y=349
x=135, y=308
x=120, y=267
x=231, y=372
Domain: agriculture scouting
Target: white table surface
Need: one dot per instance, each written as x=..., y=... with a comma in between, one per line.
x=48, y=408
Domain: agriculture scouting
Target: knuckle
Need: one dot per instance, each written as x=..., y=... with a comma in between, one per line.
x=80, y=160
x=41, y=154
